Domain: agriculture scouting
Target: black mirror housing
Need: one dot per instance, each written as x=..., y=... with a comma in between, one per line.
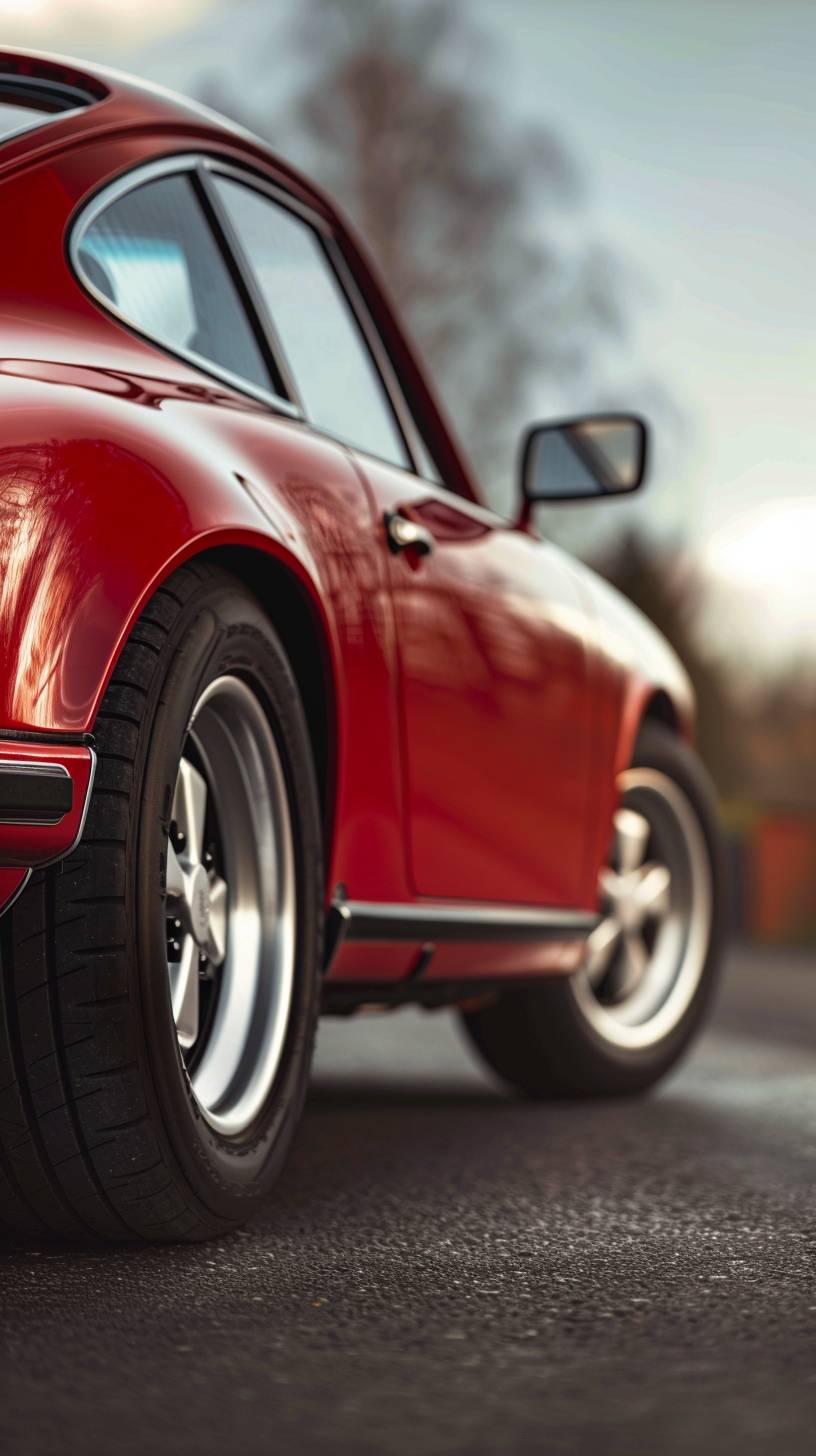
x=583, y=459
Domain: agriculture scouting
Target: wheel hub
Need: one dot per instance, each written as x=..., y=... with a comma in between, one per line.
x=645, y=958
x=230, y=905
x=199, y=905
x=636, y=893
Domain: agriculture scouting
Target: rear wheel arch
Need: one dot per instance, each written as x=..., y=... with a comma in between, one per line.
x=289, y=607
x=661, y=709
x=294, y=617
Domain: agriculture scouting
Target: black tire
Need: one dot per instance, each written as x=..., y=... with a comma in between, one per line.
x=100, y=1133
x=539, y=1040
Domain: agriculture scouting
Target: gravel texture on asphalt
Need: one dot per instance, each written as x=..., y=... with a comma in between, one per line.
x=446, y=1269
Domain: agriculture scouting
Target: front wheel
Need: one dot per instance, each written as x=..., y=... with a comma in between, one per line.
x=619, y=1023
x=160, y=987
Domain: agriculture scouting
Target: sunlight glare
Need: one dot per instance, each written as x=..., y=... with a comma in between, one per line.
x=771, y=548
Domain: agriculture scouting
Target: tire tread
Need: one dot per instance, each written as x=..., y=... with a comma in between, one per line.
x=79, y=1155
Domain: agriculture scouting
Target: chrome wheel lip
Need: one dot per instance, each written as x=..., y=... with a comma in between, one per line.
x=243, y=926
x=676, y=960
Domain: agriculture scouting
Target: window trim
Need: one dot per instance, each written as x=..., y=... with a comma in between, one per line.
x=351, y=294
x=249, y=289
x=180, y=164
x=203, y=165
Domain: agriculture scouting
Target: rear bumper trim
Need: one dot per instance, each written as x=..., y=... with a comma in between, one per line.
x=34, y=793
x=45, y=791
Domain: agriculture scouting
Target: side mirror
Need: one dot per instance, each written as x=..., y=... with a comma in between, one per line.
x=583, y=459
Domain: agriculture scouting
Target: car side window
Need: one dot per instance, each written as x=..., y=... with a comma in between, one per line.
x=328, y=356
x=152, y=255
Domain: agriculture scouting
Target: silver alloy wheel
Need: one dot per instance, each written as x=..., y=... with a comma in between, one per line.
x=645, y=959
x=230, y=905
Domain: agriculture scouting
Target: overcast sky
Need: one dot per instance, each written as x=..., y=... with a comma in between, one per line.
x=695, y=124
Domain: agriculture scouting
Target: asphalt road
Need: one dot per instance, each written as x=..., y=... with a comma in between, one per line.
x=447, y=1270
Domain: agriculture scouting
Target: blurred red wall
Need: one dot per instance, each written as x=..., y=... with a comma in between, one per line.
x=780, y=875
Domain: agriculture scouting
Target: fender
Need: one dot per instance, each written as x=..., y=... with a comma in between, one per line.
x=632, y=670
x=135, y=476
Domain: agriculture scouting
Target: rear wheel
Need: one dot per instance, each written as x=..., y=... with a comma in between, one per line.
x=623, y=1019
x=160, y=987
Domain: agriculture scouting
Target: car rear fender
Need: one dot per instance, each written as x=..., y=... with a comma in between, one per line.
x=93, y=520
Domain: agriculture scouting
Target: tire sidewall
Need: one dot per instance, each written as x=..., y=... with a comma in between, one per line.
x=658, y=748
x=539, y=1039
x=222, y=631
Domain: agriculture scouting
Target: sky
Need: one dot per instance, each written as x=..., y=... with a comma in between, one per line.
x=694, y=126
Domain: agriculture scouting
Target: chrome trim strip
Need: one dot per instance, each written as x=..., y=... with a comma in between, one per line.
x=86, y=806
x=33, y=766
x=360, y=921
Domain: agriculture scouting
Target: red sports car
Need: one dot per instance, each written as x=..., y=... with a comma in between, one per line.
x=290, y=720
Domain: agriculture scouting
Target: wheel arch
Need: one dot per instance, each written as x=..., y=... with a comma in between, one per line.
x=647, y=702
x=661, y=708
x=642, y=701
x=292, y=612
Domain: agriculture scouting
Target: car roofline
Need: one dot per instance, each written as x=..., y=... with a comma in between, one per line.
x=129, y=104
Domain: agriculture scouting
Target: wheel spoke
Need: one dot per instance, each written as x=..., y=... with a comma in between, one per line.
x=599, y=948
x=184, y=992
x=631, y=838
x=630, y=966
x=653, y=894
x=175, y=874
x=190, y=809
x=217, y=939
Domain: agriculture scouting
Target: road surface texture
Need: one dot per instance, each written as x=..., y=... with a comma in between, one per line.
x=445, y=1269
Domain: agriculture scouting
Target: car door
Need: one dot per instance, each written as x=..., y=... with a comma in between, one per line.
x=494, y=699
x=490, y=637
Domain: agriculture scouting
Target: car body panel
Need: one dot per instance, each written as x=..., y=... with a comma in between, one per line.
x=492, y=646
x=479, y=703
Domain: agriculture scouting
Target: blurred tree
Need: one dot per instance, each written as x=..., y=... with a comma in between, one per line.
x=666, y=585
x=780, y=735
x=461, y=206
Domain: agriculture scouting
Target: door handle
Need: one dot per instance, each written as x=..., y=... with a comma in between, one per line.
x=405, y=535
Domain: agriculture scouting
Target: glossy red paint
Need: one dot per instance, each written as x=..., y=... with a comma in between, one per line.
x=492, y=646
x=479, y=702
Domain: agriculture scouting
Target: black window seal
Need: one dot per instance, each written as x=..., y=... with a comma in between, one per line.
x=243, y=274
x=54, y=96
x=352, y=294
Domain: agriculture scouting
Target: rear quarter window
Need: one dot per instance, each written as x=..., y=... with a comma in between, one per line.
x=152, y=256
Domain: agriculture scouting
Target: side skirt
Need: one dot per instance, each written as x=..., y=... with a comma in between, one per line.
x=426, y=926
x=346, y=998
